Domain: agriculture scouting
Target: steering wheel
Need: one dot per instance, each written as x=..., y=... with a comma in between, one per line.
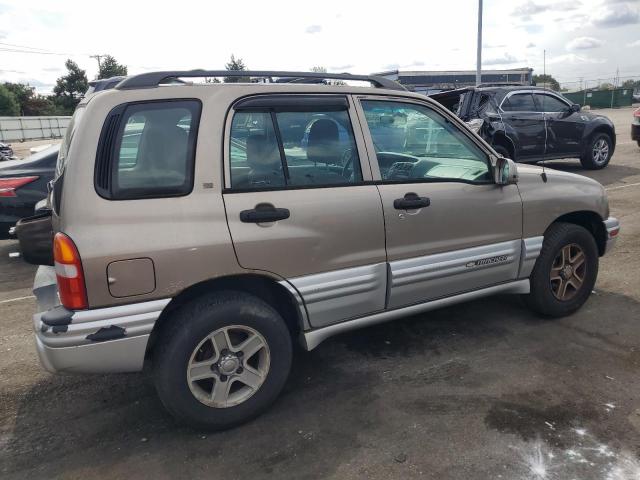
x=347, y=163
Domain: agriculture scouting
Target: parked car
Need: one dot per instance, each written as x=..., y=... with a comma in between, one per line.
x=6, y=152
x=635, y=127
x=209, y=245
x=22, y=184
x=529, y=124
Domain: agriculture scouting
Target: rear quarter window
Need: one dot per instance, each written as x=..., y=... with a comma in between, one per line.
x=147, y=150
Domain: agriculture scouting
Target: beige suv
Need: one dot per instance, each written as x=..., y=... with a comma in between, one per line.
x=205, y=228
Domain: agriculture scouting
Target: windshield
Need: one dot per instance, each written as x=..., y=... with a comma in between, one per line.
x=67, y=139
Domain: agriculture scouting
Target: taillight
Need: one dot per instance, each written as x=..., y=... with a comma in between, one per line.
x=8, y=186
x=637, y=113
x=69, y=274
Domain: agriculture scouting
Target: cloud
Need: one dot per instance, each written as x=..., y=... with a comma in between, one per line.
x=531, y=45
x=529, y=8
x=341, y=68
x=391, y=66
x=573, y=59
x=584, y=43
x=634, y=44
x=313, y=29
x=505, y=59
x=488, y=45
x=531, y=28
x=615, y=17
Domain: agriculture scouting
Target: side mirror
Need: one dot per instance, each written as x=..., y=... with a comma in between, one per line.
x=505, y=172
x=574, y=108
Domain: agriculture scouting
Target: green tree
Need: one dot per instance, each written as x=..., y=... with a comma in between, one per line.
x=606, y=86
x=546, y=79
x=22, y=92
x=70, y=87
x=39, y=105
x=109, y=67
x=236, y=64
x=9, y=106
x=631, y=84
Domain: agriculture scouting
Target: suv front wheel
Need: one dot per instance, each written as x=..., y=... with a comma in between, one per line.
x=222, y=360
x=598, y=152
x=565, y=272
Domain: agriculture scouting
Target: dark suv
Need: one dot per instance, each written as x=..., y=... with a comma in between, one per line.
x=529, y=124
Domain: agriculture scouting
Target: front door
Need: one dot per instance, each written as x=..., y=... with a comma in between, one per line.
x=299, y=205
x=449, y=228
x=564, y=127
x=519, y=111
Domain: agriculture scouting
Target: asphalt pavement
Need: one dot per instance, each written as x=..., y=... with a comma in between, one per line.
x=481, y=390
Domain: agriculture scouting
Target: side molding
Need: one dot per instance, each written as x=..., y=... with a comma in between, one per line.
x=531, y=248
x=311, y=339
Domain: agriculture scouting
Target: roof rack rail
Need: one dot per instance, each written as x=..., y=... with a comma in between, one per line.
x=502, y=84
x=154, y=79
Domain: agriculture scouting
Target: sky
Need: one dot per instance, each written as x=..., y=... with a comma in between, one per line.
x=588, y=39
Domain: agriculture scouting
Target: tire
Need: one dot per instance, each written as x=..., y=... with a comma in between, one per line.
x=588, y=158
x=502, y=151
x=544, y=294
x=639, y=143
x=183, y=342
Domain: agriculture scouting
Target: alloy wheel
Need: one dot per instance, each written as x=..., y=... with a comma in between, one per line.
x=228, y=366
x=600, y=151
x=568, y=272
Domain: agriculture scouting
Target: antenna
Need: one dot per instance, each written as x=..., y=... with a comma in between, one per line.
x=544, y=115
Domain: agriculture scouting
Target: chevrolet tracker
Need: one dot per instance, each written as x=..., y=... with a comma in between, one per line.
x=203, y=228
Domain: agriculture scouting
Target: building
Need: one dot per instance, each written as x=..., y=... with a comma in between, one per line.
x=430, y=82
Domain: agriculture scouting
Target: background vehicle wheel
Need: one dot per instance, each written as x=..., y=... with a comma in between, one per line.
x=598, y=152
x=222, y=360
x=565, y=272
x=502, y=150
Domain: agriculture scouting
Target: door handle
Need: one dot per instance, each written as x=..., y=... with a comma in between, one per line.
x=411, y=201
x=264, y=213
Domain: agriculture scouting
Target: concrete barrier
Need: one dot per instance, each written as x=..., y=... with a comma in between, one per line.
x=14, y=129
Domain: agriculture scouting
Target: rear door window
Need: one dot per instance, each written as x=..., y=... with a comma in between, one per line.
x=281, y=148
x=519, y=102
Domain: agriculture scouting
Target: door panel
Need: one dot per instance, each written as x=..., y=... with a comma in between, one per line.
x=564, y=128
x=297, y=205
x=429, y=249
x=449, y=228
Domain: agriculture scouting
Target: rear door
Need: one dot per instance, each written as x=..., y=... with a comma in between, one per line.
x=564, y=127
x=450, y=228
x=300, y=203
x=519, y=110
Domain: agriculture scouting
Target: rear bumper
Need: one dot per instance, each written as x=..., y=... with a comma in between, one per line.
x=112, y=339
x=612, y=226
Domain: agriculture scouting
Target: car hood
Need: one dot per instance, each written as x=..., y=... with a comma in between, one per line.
x=563, y=191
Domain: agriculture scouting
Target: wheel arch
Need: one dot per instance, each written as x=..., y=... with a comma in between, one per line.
x=589, y=220
x=262, y=286
x=599, y=128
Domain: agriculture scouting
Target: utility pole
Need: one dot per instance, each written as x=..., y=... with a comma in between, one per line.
x=479, y=57
x=98, y=58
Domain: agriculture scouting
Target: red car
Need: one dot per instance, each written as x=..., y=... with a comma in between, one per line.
x=635, y=127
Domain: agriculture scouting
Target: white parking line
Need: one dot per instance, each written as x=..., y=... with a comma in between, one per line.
x=17, y=299
x=623, y=186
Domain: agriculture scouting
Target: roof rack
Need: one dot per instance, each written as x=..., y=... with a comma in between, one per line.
x=154, y=79
x=502, y=84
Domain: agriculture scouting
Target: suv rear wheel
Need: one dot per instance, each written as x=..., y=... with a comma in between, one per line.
x=223, y=360
x=565, y=272
x=598, y=152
